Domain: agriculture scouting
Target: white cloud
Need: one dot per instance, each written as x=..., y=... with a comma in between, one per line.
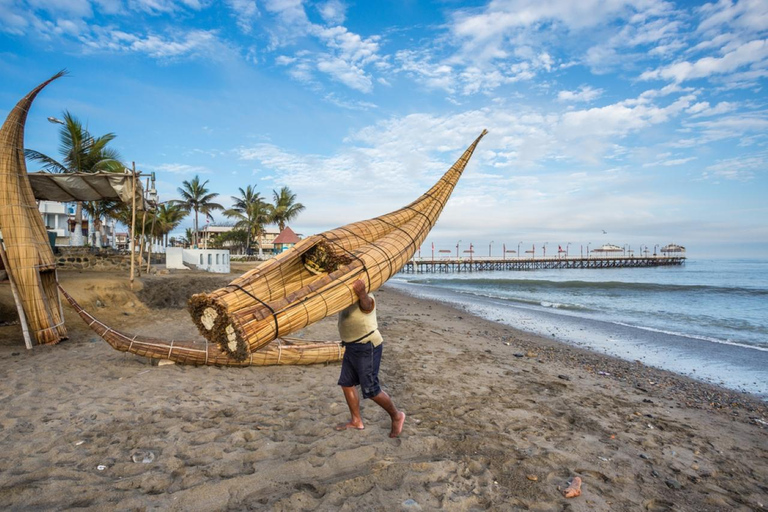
x=742, y=168
x=176, y=168
x=670, y=163
x=703, y=109
x=749, y=16
x=181, y=44
x=156, y=7
x=332, y=11
x=751, y=53
x=347, y=73
x=245, y=12
x=584, y=93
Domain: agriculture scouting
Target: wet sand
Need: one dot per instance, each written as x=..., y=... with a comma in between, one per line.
x=497, y=420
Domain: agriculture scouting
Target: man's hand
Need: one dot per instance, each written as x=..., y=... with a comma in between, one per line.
x=365, y=301
x=359, y=288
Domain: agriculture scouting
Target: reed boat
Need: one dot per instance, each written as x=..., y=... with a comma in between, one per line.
x=313, y=279
x=282, y=351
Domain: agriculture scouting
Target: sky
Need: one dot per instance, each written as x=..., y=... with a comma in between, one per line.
x=636, y=122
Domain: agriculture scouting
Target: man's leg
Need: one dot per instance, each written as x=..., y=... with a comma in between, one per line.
x=398, y=417
x=353, y=402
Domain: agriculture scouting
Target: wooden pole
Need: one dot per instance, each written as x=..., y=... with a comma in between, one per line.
x=143, y=225
x=151, y=235
x=17, y=300
x=132, y=245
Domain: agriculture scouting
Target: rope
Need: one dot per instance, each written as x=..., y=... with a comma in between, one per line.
x=274, y=315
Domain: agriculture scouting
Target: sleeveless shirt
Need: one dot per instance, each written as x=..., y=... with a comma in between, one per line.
x=356, y=326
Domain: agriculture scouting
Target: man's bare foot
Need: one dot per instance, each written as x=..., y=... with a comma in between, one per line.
x=350, y=425
x=397, y=424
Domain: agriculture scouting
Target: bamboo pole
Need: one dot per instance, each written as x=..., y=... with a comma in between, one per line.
x=151, y=235
x=17, y=300
x=143, y=225
x=133, y=223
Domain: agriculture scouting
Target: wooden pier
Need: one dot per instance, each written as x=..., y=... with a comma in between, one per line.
x=446, y=265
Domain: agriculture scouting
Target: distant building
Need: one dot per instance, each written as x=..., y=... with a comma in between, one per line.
x=56, y=219
x=122, y=241
x=206, y=234
x=59, y=218
x=285, y=240
x=672, y=248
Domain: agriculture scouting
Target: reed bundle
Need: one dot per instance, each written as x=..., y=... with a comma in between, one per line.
x=30, y=262
x=313, y=279
x=279, y=352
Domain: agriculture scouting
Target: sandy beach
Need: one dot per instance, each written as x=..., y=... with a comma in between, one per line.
x=498, y=419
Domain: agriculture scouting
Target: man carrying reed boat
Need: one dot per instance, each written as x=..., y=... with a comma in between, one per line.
x=362, y=356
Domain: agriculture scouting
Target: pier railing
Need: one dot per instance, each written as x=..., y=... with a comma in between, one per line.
x=428, y=265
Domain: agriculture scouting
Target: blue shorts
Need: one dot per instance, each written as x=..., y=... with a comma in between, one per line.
x=361, y=366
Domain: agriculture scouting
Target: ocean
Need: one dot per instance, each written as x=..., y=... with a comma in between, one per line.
x=707, y=319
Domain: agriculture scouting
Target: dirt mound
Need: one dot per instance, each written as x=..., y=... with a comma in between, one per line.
x=165, y=292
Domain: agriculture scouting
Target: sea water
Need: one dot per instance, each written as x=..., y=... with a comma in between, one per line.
x=707, y=319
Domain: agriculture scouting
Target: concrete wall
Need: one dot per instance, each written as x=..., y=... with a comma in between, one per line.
x=210, y=260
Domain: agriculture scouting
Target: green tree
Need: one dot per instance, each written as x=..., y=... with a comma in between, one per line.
x=195, y=197
x=285, y=207
x=169, y=216
x=97, y=211
x=251, y=214
x=81, y=152
x=189, y=237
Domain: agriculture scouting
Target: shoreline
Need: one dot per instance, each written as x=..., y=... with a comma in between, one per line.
x=497, y=419
x=669, y=384
x=729, y=367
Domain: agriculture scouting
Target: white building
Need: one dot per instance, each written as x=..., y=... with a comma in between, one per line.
x=60, y=218
x=56, y=216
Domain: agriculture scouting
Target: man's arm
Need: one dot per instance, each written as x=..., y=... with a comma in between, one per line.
x=366, y=302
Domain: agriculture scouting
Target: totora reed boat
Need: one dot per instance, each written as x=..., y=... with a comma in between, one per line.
x=313, y=279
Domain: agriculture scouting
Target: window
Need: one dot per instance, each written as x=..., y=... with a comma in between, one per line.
x=210, y=259
x=201, y=259
x=217, y=259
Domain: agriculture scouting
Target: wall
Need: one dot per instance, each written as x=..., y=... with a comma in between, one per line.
x=80, y=258
x=210, y=260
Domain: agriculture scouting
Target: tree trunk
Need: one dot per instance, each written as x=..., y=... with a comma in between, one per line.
x=194, y=244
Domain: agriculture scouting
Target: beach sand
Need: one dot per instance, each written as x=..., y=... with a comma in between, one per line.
x=497, y=420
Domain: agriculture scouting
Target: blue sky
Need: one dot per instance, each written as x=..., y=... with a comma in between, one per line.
x=644, y=118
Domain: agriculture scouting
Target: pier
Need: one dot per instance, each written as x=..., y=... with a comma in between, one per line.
x=447, y=265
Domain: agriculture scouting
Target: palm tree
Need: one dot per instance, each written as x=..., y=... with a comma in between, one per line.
x=98, y=210
x=189, y=237
x=169, y=216
x=81, y=152
x=285, y=208
x=251, y=213
x=195, y=197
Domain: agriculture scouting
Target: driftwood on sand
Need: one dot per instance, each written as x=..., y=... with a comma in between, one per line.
x=279, y=352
